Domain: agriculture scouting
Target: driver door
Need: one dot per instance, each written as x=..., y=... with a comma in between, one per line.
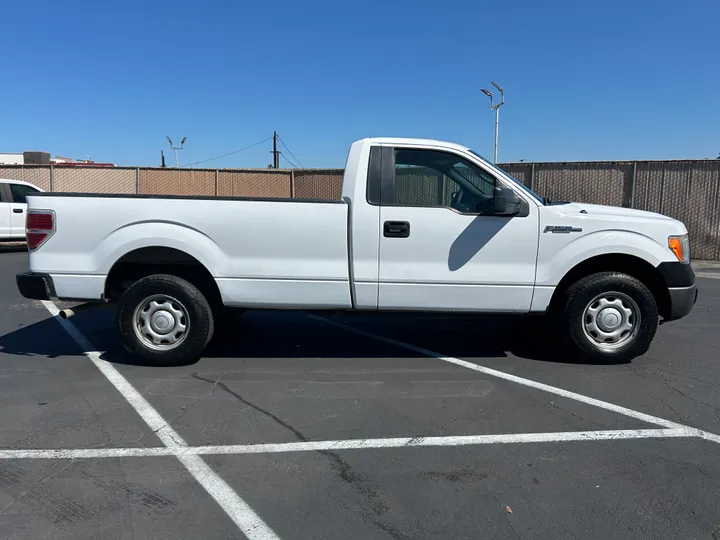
x=441, y=246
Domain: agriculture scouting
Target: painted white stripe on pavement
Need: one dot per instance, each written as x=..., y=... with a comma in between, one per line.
x=187, y=454
x=236, y=508
x=86, y=453
x=470, y=440
x=527, y=382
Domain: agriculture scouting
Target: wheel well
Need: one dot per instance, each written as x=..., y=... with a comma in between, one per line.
x=628, y=264
x=160, y=260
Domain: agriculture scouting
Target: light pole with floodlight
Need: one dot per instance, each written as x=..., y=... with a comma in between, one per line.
x=496, y=108
x=176, y=148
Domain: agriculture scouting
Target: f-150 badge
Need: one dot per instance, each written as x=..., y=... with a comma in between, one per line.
x=561, y=229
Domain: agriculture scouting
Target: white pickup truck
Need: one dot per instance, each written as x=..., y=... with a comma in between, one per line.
x=422, y=225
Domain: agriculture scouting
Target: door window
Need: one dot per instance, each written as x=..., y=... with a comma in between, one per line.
x=20, y=192
x=435, y=178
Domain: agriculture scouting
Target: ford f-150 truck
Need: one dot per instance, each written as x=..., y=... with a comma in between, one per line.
x=422, y=225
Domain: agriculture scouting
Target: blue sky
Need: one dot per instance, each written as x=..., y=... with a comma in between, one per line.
x=632, y=79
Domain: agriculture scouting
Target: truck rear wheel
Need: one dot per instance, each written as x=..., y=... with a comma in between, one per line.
x=164, y=319
x=608, y=316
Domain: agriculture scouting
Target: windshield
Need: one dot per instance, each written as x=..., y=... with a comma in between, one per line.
x=526, y=189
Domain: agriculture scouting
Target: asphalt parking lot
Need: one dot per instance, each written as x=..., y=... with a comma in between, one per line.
x=355, y=427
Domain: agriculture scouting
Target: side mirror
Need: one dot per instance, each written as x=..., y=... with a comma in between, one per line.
x=506, y=202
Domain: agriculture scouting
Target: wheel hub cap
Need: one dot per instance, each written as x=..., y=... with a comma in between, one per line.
x=161, y=322
x=610, y=320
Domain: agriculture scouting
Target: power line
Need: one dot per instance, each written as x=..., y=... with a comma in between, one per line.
x=288, y=160
x=229, y=153
x=289, y=152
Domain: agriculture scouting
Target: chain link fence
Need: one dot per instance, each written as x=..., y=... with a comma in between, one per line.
x=94, y=180
x=317, y=183
x=688, y=190
x=37, y=175
x=265, y=183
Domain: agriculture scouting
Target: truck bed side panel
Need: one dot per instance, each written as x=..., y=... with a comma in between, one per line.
x=274, y=253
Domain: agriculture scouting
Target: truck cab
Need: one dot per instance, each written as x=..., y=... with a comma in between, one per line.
x=444, y=229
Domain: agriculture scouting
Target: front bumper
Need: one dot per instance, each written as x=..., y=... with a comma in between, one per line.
x=35, y=286
x=680, y=281
x=682, y=300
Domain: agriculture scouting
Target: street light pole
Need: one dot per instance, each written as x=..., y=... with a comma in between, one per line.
x=176, y=148
x=496, y=108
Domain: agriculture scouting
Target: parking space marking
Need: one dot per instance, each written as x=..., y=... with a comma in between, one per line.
x=87, y=453
x=467, y=440
x=234, y=506
x=351, y=444
x=528, y=382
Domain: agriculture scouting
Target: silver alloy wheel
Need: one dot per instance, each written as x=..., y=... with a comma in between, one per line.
x=611, y=319
x=161, y=322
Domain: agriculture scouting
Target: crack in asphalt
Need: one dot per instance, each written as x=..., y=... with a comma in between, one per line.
x=661, y=379
x=662, y=400
x=375, y=506
x=184, y=408
x=556, y=406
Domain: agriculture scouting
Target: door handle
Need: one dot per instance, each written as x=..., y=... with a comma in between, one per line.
x=17, y=210
x=396, y=229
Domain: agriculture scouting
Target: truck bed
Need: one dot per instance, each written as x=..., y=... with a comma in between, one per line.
x=269, y=252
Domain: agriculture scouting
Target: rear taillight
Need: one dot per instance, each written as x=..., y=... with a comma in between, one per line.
x=39, y=226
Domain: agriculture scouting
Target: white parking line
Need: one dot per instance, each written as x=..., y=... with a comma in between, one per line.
x=352, y=444
x=470, y=440
x=87, y=453
x=236, y=508
x=528, y=382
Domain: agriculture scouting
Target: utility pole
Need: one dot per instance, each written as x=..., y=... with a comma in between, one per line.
x=162, y=158
x=276, y=154
x=176, y=148
x=496, y=108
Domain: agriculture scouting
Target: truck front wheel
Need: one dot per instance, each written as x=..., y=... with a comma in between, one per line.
x=609, y=316
x=165, y=320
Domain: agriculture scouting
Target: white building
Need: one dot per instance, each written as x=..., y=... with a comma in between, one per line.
x=12, y=158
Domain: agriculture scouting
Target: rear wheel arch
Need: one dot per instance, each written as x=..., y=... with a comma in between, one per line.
x=146, y=261
x=627, y=264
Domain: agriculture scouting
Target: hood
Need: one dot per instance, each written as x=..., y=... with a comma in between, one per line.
x=573, y=209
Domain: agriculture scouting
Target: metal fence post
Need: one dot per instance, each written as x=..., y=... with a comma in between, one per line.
x=628, y=194
x=531, y=181
x=216, y=182
x=292, y=183
x=137, y=180
x=52, y=178
x=634, y=181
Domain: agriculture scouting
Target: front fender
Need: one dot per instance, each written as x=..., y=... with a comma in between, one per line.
x=178, y=236
x=554, y=264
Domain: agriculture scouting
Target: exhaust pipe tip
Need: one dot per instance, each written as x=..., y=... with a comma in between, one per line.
x=67, y=313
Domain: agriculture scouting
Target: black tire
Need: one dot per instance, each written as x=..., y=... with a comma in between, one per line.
x=186, y=306
x=577, y=327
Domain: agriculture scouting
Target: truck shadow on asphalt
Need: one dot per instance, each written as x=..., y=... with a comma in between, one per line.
x=268, y=334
